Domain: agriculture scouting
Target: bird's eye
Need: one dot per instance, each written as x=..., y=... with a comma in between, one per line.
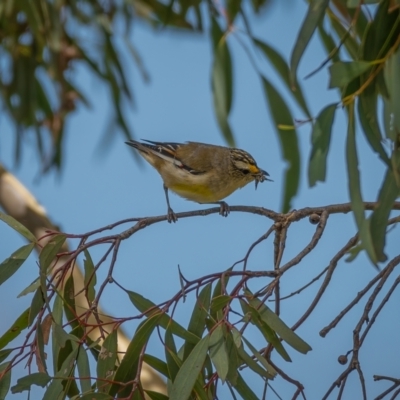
x=245, y=171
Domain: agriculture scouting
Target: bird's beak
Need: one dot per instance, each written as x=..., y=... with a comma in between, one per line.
x=261, y=177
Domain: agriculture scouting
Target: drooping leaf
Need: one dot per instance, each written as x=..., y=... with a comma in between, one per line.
x=50, y=250
x=367, y=113
x=222, y=81
x=17, y=226
x=16, y=328
x=357, y=204
x=11, y=265
x=281, y=67
x=379, y=217
x=82, y=363
x=288, y=141
x=106, y=362
x=218, y=352
x=315, y=13
x=90, y=276
x=320, y=139
x=5, y=380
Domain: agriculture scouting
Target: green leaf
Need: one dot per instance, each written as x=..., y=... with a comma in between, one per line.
x=357, y=204
x=218, y=352
x=129, y=364
x=54, y=390
x=5, y=381
x=4, y=354
x=320, y=140
x=90, y=276
x=314, y=16
x=156, y=395
x=17, y=327
x=251, y=363
x=287, y=140
x=25, y=383
x=173, y=361
x=232, y=344
x=367, y=113
x=392, y=79
x=281, y=67
x=244, y=390
x=267, y=331
x=36, y=305
x=11, y=265
x=189, y=371
x=343, y=72
x=275, y=323
x=157, y=364
x=50, y=250
x=17, y=226
x=82, y=363
x=143, y=304
x=378, y=219
x=31, y=288
x=222, y=81
x=106, y=362
x=197, y=323
x=69, y=301
x=219, y=302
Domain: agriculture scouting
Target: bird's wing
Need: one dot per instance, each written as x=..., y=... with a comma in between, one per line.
x=165, y=150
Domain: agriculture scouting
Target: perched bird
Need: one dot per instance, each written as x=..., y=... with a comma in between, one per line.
x=200, y=172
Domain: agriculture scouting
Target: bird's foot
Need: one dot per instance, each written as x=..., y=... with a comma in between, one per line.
x=223, y=209
x=171, y=216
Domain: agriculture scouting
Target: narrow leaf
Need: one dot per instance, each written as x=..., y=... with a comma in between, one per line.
x=315, y=13
x=378, y=219
x=287, y=140
x=218, y=352
x=106, y=362
x=222, y=81
x=367, y=113
x=16, y=328
x=82, y=363
x=244, y=389
x=282, y=68
x=50, y=250
x=17, y=226
x=275, y=323
x=11, y=265
x=143, y=304
x=5, y=381
x=197, y=321
x=90, y=276
x=357, y=204
x=129, y=364
x=320, y=140
x=189, y=371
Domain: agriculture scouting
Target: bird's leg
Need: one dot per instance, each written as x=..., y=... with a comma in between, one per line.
x=223, y=208
x=171, y=217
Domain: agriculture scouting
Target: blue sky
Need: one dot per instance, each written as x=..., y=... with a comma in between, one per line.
x=100, y=187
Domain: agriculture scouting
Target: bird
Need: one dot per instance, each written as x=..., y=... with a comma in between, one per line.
x=200, y=172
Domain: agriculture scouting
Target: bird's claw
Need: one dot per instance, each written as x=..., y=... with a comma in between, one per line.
x=223, y=209
x=171, y=216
